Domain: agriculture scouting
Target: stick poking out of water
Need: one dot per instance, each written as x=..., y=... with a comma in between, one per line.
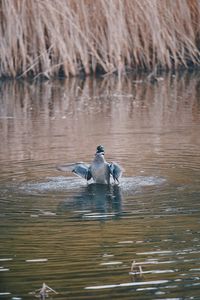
x=136, y=270
x=43, y=292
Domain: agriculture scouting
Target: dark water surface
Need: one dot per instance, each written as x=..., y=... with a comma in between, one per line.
x=80, y=239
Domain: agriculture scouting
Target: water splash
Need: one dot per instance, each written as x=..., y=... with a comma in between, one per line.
x=62, y=183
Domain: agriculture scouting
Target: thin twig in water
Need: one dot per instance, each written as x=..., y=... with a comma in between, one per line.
x=43, y=292
x=136, y=270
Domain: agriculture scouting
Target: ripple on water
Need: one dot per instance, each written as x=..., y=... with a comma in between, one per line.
x=37, y=260
x=127, y=284
x=4, y=269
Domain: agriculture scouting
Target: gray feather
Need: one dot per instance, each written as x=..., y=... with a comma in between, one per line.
x=81, y=169
x=116, y=171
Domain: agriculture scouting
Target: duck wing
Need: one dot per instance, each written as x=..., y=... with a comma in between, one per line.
x=116, y=171
x=81, y=169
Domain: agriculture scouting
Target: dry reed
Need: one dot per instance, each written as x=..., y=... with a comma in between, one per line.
x=69, y=37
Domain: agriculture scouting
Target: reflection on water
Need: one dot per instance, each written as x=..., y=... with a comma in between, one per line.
x=95, y=202
x=83, y=240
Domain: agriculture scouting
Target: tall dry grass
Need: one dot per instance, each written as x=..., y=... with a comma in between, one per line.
x=68, y=37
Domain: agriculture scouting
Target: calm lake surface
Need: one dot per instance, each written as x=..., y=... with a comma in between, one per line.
x=81, y=240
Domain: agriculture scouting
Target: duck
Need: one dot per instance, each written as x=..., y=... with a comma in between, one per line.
x=99, y=170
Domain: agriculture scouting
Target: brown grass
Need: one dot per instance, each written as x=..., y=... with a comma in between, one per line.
x=67, y=37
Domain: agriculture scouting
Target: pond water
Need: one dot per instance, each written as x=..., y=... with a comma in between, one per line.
x=138, y=240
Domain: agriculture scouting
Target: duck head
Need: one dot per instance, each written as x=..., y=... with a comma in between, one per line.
x=100, y=149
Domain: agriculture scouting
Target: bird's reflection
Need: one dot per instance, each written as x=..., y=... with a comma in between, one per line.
x=95, y=201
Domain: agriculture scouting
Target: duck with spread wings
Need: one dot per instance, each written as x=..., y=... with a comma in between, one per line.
x=99, y=170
